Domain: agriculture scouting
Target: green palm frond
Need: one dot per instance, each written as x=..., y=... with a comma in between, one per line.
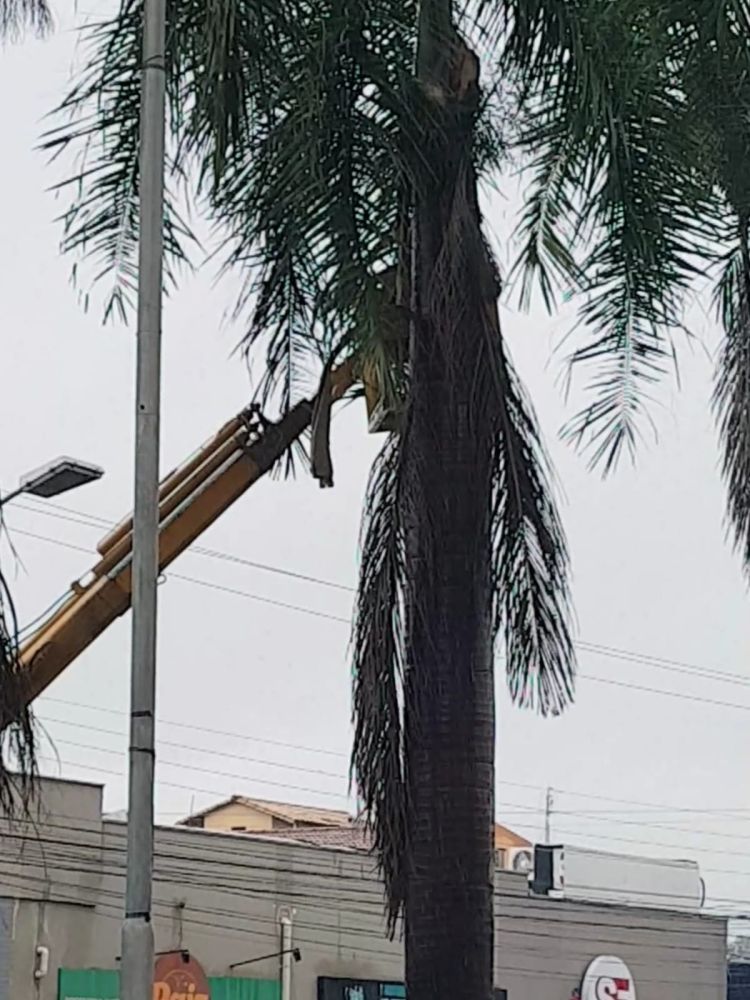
x=216, y=55
x=99, y=134
x=619, y=184
x=732, y=392
x=17, y=16
x=545, y=230
x=716, y=79
x=531, y=582
x=322, y=184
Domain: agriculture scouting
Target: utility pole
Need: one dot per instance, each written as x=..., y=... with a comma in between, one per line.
x=548, y=803
x=137, y=930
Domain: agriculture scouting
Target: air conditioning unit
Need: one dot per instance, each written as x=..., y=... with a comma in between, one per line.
x=520, y=859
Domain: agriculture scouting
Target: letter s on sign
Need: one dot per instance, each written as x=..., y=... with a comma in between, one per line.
x=606, y=989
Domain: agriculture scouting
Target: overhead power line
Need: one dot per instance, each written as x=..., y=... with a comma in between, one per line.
x=508, y=809
x=614, y=652
x=339, y=619
x=622, y=816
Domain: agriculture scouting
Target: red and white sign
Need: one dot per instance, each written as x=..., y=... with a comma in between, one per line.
x=608, y=978
x=177, y=976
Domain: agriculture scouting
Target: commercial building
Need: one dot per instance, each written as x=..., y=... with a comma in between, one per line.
x=234, y=902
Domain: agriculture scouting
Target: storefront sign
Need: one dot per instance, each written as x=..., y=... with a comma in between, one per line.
x=177, y=976
x=608, y=978
x=104, y=984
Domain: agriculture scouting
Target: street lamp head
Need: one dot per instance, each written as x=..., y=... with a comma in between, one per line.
x=58, y=477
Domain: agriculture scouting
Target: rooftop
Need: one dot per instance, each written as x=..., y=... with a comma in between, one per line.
x=280, y=810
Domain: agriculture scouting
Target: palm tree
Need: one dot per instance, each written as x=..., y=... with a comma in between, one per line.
x=17, y=741
x=339, y=145
x=341, y=174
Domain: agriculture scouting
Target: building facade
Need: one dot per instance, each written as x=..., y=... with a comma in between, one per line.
x=226, y=899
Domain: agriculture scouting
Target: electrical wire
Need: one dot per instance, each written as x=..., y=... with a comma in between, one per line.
x=313, y=883
x=648, y=807
x=579, y=814
x=569, y=917
x=393, y=953
x=661, y=662
x=238, y=847
x=339, y=619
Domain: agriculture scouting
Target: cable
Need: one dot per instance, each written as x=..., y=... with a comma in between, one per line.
x=506, y=812
x=87, y=520
x=171, y=856
x=181, y=746
x=371, y=887
x=547, y=910
x=92, y=520
x=392, y=953
x=194, y=727
x=576, y=834
x=212, y=770
x=196, y=581
x=167, y=784
x=668, y=694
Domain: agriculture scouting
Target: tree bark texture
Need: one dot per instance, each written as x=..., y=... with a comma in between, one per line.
x=449, y=690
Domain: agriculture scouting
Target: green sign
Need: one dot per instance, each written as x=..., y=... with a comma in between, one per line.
x=104, y=984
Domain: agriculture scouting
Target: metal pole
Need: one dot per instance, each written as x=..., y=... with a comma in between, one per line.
x=549, y=802
x=137, y=930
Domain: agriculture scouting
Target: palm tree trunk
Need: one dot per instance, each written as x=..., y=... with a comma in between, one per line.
x=449, y=697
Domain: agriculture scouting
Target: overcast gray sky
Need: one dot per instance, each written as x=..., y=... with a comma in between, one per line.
x=266, y=687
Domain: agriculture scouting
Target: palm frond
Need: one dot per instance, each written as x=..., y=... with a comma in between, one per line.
x=315, y=203
x=378, y=649
x=716, y=80
x=17, y=16
x=99, y=133
x=18, y=761
x=732, y=391
x=214, y=54
x=618, y=162
x=546, y=228
x=529, y=568
x=530, y=589
x=530, y=560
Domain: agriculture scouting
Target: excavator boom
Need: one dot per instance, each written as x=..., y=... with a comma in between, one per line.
x=191, y=498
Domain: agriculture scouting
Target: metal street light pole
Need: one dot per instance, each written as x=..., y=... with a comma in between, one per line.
x=137, y=930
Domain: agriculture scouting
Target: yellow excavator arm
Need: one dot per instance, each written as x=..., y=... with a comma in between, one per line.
x=191, y=498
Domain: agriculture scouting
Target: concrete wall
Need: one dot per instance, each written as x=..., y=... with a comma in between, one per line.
x=220, y=896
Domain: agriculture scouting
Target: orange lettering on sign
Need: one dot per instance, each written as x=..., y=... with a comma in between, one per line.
x=163, y=991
